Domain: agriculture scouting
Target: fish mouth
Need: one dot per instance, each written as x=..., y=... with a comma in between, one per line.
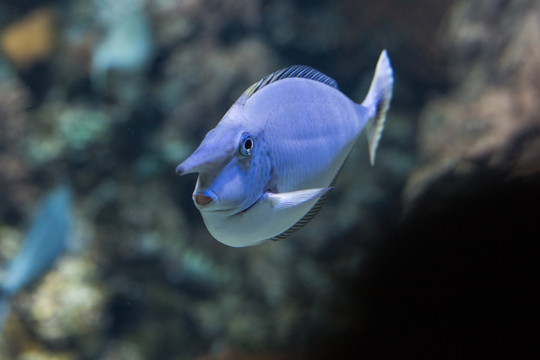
x=205, y=200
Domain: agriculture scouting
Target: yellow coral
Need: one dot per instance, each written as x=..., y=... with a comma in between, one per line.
x=29, y=39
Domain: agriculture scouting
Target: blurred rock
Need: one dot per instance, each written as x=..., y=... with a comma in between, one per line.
x=231, y=354
x=15, y=174
x=30, y=39
x=126, y=46
x=45, y=355
x=494, y=109
x=68, y=304
x=64, y=310
x=61, y=129
x=122, y=351
x=225, y=21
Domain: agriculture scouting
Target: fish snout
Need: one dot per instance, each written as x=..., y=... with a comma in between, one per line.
x=180, y=170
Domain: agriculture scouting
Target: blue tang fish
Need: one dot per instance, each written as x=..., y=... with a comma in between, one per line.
x=266, y=169
x=45, y=241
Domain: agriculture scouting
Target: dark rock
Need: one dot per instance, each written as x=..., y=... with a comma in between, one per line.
x=455, y=280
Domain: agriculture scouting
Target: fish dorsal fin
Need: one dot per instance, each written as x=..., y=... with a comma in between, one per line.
x=295, y=71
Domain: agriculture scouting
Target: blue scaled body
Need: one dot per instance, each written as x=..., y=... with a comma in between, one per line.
x=266, y=168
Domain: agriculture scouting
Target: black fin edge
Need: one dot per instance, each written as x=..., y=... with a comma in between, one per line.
x=295, y=71
x=304, y=220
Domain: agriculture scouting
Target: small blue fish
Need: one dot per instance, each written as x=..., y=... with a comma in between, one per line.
x=265, y=170
x=45, y=241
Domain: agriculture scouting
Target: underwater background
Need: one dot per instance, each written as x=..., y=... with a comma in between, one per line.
x=428, y=254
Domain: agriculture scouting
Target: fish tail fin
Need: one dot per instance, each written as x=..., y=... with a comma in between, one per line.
x=377, y=102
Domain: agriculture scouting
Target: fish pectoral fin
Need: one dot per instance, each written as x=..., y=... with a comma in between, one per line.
x=294, y=198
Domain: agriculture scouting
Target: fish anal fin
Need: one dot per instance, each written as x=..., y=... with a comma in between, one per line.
x=307, y=217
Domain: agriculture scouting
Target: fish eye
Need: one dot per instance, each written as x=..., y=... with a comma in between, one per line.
x=246, y=146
